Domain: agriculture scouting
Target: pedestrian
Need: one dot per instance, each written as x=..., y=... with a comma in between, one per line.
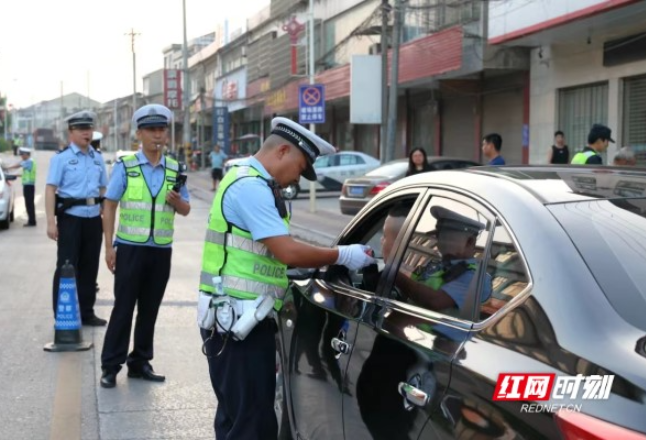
x=76, y=183
x=147, y=187
x=246, y=254
x=417, y=162
x=598, y=141
x=491, y=146
x=28, y=183
x=625, y=157
x=217, y=164
x=559, y=153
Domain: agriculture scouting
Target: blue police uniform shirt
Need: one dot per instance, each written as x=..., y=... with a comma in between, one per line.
x=249, y=205
x=27, y=166
x=217, y=159
x=498, y=160
x=155, y=177
x=78, y=175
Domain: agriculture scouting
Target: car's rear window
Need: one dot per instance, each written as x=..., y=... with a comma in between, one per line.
x=610, y=235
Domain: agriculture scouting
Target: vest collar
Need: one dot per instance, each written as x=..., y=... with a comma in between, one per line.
x=141, y=157
x=255, y=163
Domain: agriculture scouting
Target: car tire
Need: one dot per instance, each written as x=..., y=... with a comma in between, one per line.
x=11, y=216
x=4, y=224
x=291, y=192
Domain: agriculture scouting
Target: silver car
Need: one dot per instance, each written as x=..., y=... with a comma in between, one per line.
x=7, y=199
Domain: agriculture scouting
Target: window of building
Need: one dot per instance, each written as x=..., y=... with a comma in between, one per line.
x=580, y=108
x=350, y=159
x=506, y=270
x=634, y=117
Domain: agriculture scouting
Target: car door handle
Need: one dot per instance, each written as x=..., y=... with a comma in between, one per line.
x=340, y=347
x=413, y=396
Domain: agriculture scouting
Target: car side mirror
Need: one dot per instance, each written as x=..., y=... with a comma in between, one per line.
x=10, y=177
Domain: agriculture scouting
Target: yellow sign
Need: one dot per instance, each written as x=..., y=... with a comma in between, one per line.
x=277, y=99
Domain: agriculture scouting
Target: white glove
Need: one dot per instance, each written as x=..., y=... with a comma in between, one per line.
x=354, y=256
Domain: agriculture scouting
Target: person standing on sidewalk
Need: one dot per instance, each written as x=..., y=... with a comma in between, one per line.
x=144, y=185
x=217, y=164
x=491, y=146
x=598, y=141
x=559, y=153
x=28, y=183
x=76, y=183
x=246, y=253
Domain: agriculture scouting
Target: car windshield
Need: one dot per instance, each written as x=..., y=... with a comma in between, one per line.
x=610, y=235
x=396, y=169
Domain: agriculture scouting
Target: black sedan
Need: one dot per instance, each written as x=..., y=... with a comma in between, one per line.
x=506, y=303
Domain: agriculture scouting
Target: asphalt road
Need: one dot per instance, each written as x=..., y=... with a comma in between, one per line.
x=56, y=395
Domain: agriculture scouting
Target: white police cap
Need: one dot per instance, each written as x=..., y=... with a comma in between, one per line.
x=447, y=219
x=152, y=115
x=310, y=144
x=24, y=150
x=97, y=136
x=82, y=119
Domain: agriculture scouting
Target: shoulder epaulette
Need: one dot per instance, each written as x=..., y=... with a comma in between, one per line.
x=64, y=149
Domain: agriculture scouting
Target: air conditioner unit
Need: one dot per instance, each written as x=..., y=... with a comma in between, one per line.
x=374, y=49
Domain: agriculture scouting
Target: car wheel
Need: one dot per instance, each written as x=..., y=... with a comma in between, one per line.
x=291, y=192
x=11, y=215
x=4, y=224
x=280, y=403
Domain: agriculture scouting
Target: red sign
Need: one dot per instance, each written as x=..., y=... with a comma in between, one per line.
x=173, y=88
x=229, y=90
x=523, y=386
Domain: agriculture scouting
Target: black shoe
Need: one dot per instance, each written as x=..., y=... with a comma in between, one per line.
x=146, y=373
x=29, y=225
x=94, y=321
x=108, y=379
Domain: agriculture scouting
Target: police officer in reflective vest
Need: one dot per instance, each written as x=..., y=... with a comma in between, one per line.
x=598, y=141
x=28, y=166
x=246, y=254
x=76, y=183
x=144, y=185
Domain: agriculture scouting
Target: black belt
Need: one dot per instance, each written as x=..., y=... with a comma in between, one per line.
x=65, y=203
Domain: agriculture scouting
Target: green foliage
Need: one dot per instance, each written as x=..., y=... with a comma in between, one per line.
x=4, y=145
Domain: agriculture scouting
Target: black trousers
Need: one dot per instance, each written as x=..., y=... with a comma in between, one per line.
x=29, y=191
x=79, y=242
x=140, y=279
x=244, y=380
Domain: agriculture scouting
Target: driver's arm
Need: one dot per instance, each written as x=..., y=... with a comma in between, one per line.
x=422, y=294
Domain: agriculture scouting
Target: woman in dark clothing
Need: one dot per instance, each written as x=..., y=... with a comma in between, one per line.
x=417, y=162
x=559, y=153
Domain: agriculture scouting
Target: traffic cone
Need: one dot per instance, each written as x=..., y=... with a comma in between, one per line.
x=67, y=330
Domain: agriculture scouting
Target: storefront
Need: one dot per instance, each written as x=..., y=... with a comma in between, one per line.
x=230, y=101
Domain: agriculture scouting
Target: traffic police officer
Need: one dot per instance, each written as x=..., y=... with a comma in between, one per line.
x=246, y=253
x=28, y=183
x=144, y=186
x=598, y=140
x=76, y=183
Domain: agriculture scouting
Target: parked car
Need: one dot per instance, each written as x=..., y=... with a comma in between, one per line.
x=549, y=340
x=331, y=171
x=7, y=198
x=356, y=192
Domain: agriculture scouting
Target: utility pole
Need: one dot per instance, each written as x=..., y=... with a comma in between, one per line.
x=383, y=134
x=62, y=113
x=394, y=79
x=312, y=67
x=133, y=35
x=186, y=131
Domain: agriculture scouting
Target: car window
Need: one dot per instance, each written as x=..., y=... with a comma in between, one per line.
x=441, y=261
x=442, y=165
x=381, y=230
x=507, y=271
x=462, y=164
x=322, y=162
x=347, y=159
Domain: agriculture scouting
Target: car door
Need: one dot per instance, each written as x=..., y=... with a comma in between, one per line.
x=402, y=365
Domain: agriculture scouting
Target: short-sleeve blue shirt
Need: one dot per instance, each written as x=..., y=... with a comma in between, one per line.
x=78, y=175
x=250, y=205
x=27, y=166
x=154, y=177
x=217, y=159
x=498, y=160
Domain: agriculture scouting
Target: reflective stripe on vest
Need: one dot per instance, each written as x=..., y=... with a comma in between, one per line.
x=29, y=176
x=435, y=280
x=142, y=216
x=246, y=266
x=582, y=157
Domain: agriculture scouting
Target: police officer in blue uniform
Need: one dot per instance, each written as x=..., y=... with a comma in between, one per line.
x=141, y=261
x=76, y=182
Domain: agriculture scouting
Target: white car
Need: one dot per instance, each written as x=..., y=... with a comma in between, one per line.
x=331, y=171
x=7, y=198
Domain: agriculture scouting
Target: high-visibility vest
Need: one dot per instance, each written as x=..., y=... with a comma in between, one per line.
x=29, y=176
x=246, y=267
x=436, y=280
x=142, y=216
x=582, y=157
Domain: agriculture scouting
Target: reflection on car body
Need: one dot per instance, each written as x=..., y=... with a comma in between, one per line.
x=362, y=360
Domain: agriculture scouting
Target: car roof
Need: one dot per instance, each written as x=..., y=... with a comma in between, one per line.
x=547, y=183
